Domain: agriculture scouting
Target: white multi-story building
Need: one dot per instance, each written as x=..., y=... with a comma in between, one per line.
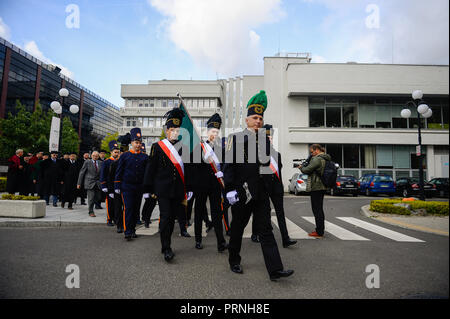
x=352, y=109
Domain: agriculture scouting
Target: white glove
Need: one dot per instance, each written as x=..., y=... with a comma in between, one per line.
x=232, y=197
x=189, y=195
x=117, y=191
x=146, y=195
x=104, y=190
x=219, y=174
x=111, y=195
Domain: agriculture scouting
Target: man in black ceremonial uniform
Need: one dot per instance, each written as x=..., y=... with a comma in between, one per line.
x=71, y=170
x=107, y=181
x=247, y=192
x=208, y=183
x=166, y=177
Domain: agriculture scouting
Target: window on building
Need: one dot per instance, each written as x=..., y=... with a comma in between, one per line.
x=195, y=103
x=368, y=156
x=335, y=151
x=350, y=115
x=435, y=121
x=145, y=104
x=158, y=122
x=170, y=103
x=351, y=156
x=316, y=116
x=366, y=116
x=189, y=103
x=158, y=102
x=134, y=103
x=206, y=103
x=383, y=116
x=151, y=122
x=200, y=103
x=164, y=103
x=397, y=120
x=145, y=123
x=333, y=116
x=152, y=103
x=445, y=114
x=384, y=156
x=212, y=103
x=176, y=103
x=401, y=155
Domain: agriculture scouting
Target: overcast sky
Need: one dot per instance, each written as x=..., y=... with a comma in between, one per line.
x=131, y=41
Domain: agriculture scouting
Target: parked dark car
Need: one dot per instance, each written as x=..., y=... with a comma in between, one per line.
x=372, y=184
x=410, y=187
x=345, y=184
x=441, y=186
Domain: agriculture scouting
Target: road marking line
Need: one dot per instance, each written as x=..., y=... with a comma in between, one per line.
x=295, y=232
x=380, y=230
x=337, y=231
x=407, y=225
x=153, y=229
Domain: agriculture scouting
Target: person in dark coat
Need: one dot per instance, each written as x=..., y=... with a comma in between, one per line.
x=52, y=178
x=71, y=171
x=15, y=172
x=107, y=181
x=27, y=186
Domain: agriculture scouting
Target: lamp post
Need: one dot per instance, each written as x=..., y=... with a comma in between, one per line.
x=426, y=112
x=58, y=109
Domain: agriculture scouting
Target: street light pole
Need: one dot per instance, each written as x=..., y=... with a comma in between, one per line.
x=425, y=111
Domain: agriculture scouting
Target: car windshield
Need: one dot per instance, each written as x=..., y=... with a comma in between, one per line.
x=346, y=178
x=382, y=179
x=303, y=176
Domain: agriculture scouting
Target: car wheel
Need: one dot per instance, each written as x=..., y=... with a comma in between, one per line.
x=368, y=193
x=296, y=191
x=405, y=193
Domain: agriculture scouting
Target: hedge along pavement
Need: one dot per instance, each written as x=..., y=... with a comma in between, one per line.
x=386, y=206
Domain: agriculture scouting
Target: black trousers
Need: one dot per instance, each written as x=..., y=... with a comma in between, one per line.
x=215, y=201
x=317, y=208
x=261, y=216
x=168, y=210
x=148, y=208
x=69, y=196
x=277, y=201
x=118, y=211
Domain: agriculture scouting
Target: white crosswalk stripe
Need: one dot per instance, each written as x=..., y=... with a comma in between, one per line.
x=153, y=229
x=337, y=231
x=295, y=232
x=380, y=230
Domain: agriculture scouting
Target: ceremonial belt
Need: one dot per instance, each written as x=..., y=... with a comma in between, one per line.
x=175, y=158
x=206, y=148
x=274, y=167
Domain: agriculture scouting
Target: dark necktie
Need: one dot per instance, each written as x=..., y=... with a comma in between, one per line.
x=95, y=163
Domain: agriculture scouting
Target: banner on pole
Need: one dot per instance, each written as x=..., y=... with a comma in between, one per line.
x=53, y=141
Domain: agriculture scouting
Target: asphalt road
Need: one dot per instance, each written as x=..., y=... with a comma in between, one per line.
x=33, y=263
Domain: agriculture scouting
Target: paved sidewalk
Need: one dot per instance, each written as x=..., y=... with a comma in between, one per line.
x=60, y=217
x=430, y=224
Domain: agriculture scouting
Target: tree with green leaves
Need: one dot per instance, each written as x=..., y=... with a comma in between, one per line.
x=108, y=138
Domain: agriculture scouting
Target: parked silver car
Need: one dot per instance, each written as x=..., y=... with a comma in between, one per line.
x=297, y=184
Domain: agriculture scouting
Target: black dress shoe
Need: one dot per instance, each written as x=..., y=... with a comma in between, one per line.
x=139, y=222
x=280, y=273
x=289, y=242
x=255, y=238
x=209, y=227
x=168, y=255
x=147, y=224
x=185, y=234
x=128, y=237
x=236, y=268
x=119, y=230
x=63, y=204
x=222, y=247
x=109, y=223
x=98, y=207
x=134, y=235
x=198, y=245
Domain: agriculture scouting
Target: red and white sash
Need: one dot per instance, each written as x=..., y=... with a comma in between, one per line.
x=174, y=157
x=274, y=167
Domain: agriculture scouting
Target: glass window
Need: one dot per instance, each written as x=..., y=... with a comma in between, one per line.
x=397, y=120
x=212, y=103
x=400, y=174
x=351, y=156
x=206, y=103
x=316, y=116
x=333, y=116
x=145, y=124
x=435, y=121
x=145, y=104
x=335, y=151
x=368, y=156
x=140, y=104
x=386, y=178
x=135, y=103
x=176, y=103
x=354, y=173
x=158, y=122
x=445, y=114
x=350, y=115
x=170, y=104
x=195, y=103
x=383, y=116
x=401, y=156
x=366, y=116
x=152, y=103
x=164, y=103
x=200, y=103
x=189, y=103
x=158, y=102
x=384, y=156
x=151, y=121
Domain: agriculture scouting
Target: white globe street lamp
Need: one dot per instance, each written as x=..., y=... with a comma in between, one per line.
x=55, y=105
x=64, y=92
x=422, y=108
x=58, y=110
x=417, y=94
x=405, y=113
x=74, y=109
x=428, y=113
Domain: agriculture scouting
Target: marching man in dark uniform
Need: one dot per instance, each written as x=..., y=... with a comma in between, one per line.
x=165, y=177
x=246, y=191
x=128, y=182
x=71, y=171
x=209, y=184
x=275, y=188
x=107, y=182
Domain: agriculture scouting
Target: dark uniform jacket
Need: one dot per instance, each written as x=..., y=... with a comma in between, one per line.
x=246, y=169
x=108, y=173
x=52, y=175
x=274, y=184
x=203, y=176
x=162, y=178
x=130, y=171
x=70, y=177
